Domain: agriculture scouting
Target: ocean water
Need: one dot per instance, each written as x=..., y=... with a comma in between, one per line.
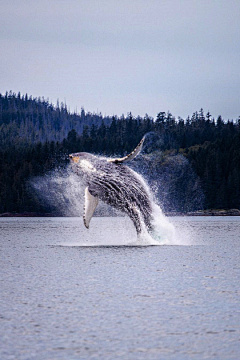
x=71, y=293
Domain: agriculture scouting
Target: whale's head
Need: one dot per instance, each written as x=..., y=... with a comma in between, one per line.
x=83, y=162
x=86, y=165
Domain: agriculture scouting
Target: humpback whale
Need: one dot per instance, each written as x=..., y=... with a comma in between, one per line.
x=111, y=181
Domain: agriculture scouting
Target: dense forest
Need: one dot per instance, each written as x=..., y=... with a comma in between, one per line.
x=189, y=164
x=36, y=120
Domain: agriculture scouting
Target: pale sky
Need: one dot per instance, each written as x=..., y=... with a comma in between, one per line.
x=117, y=56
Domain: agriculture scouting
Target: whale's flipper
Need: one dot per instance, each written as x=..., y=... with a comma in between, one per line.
x=89, y=207
x=130, y=156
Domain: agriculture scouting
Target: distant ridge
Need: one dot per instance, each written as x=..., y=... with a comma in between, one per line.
x=36, y=120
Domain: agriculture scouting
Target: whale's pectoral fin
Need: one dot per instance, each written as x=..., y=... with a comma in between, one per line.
x=89, y=207
x=130, y=156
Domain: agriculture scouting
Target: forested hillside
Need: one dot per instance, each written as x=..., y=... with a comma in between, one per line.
x=190, y=164
x=32, y=120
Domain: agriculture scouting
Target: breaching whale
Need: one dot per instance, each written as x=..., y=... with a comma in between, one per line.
x=111, y=181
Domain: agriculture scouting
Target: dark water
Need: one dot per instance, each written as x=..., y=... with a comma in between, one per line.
x=63, y=301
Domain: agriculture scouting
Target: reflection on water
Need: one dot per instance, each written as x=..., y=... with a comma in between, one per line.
x=118, y=302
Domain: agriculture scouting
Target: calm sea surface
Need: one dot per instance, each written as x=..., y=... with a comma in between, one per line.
x=62, y=298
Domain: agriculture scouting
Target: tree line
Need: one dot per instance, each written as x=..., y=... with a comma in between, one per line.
x=33, y=120
x=191, y=163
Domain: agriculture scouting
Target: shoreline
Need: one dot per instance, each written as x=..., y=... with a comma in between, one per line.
x=211, y=212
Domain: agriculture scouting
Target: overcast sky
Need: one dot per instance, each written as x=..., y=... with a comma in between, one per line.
x=117, y=56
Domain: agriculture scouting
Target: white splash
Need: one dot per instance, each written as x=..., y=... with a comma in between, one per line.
x=86, y=165
x=64, y=191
